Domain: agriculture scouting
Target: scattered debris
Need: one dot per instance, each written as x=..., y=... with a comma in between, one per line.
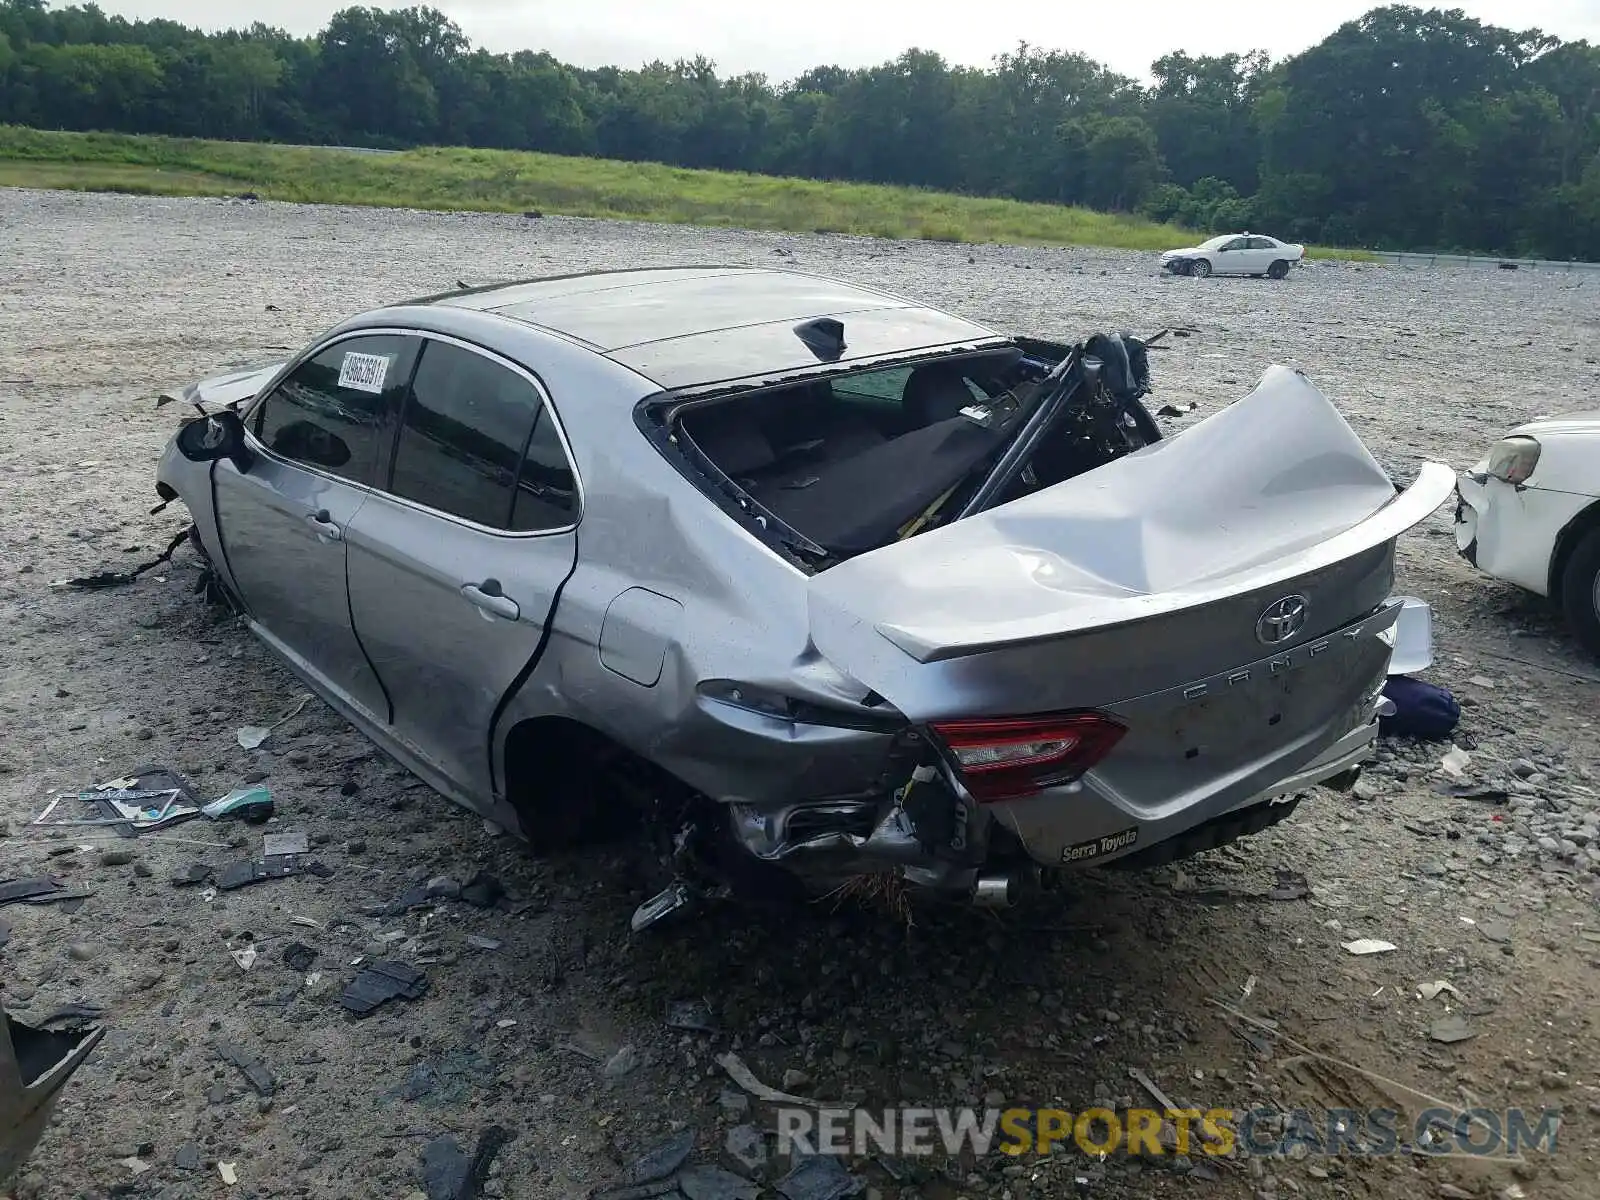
x=747, y=1147
x=656, y=1163
x=299, y=957
x=1177, y=410
x=624, y=1062
x=1461, y=791
x=110, y=579
x=819, y=1177
x=1368, y=946
x=1453, y=1028
x=229, y=1175
x=380, y=983
x=692, y=1015
x=246, y=958
x=479, y=942
x=714, y=1183
x=1291, y=885
x=253, y=804
x=187, y=1158
x=137, y=1165
x=275, y=844
x=29, y=889
x=1456, y=762
x=483, y=891
x=1431, y=991
x=243, y=874
x=251, y=736
x=255, y=1073
x=740, y=1074
x=448, y=1174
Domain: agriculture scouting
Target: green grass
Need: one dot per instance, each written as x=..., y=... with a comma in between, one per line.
x=512, y=181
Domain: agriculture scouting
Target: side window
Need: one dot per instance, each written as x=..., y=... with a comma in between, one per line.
x=1261, y=243
x=336, y=411
x=1236, y=244
x=464, y=434
x=547, y=494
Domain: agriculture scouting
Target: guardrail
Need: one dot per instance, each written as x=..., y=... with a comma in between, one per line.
x=1412, y=259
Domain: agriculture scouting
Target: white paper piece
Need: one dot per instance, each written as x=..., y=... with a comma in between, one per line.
x=229, y=1176
x=251, y=736
x=246, y=958
x=1455, y=763
x=363, y=372
x=1368, y=946
x=1431, y=991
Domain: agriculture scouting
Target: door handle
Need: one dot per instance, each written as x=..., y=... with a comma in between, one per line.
x=325, y=525
x=488, y=597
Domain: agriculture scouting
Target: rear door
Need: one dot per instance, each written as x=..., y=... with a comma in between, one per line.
x=1263, y=253
x=455, y=563
x=325, y=430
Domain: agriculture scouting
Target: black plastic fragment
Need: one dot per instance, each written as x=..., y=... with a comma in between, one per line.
x=658, y=1162
x=819, y=1177
x=277, y=866
x=187, y=1158
x=197, y=873
x=299, y=957
x=714, y=1183
x=28, y=889
x=382, y=982
x=483, y=891
x=255, y=1073
x=74, y=1014
x=448, y=1174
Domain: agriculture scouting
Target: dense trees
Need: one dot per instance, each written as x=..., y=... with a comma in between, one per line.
x=1406, y=128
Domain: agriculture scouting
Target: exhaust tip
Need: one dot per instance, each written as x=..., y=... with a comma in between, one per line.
x=992, y=891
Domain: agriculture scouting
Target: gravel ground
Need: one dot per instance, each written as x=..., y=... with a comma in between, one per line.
x=542, y=1016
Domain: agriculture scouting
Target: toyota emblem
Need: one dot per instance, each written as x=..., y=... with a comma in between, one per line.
x=1282, y=620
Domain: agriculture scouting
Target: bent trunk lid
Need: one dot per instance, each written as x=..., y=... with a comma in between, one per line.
x=1148, y=572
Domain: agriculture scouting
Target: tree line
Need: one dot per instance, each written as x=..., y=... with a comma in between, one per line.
x=1405, y=129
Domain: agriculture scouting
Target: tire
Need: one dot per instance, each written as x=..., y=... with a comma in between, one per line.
x=1278, y=270
x=1580, y=592
x=1200, y=268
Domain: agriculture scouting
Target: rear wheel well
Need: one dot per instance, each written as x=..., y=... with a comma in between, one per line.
x=570, y=783
x=1567, y=541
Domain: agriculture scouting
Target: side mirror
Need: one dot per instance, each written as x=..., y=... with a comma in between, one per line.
x=219, y=435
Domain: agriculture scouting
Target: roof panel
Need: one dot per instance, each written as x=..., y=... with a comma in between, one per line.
x=647, y=310
x=774, y=350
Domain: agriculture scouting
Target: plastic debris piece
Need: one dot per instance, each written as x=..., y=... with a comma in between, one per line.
x=479, y=942
x=819, y=1177
x=1453, y=1028
x=246, y=958
x=1456, y=762
x=137, y=1165
x=285, y=843
x=187, y=1158
x=693, y=1015
x=29, y=889
x=1368, y=946
x=659, y=1161
x=254, y=1072
x=253, y=803
x=1431, y=991
x=448, y=1174
x=196, y=873
x=1249, y=987
x=251, y=736
x=483, y=891
x=229, y=1175
x=740, y=1074
x=380, y=983
x=714, y=1183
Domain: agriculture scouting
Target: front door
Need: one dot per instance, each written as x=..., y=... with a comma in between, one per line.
x=455, y=565
x=325, y=430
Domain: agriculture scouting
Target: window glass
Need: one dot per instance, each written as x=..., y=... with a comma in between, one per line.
x=1236, y=244
x=547, y=495
x=462, y=434
x=1261, y=243
x=335, y=412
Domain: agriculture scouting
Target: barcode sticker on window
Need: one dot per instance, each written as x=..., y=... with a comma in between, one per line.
x=364, y=372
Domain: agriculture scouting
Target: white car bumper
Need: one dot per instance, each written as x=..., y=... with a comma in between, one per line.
x=1509, y=531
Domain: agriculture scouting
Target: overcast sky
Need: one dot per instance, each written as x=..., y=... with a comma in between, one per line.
x=784, y=38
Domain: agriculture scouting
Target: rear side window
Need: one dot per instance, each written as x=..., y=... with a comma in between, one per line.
x=336, y=411
x=476, y=442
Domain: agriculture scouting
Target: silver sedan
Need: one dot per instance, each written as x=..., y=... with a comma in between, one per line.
x=826, y=584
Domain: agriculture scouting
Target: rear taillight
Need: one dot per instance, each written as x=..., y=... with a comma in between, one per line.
x=1019, y=756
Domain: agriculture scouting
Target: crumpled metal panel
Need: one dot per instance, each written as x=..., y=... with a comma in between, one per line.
x=1274, y=487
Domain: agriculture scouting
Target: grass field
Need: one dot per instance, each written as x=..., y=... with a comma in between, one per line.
x=512, y=181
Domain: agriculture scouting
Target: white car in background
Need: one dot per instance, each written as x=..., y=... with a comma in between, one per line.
x=1235, y=254
x=1529, y=513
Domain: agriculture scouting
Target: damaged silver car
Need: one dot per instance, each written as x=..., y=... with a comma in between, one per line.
x=827, y=583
